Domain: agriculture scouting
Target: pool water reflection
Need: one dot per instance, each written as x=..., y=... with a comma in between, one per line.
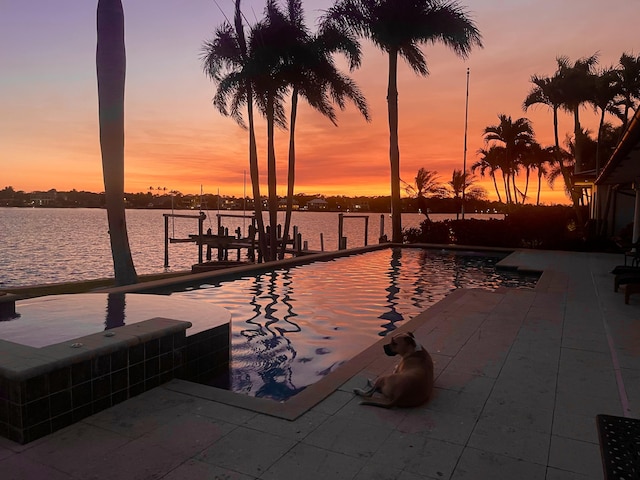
x=292, y=326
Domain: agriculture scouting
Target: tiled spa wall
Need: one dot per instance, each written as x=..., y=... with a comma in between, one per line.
x=33, y=407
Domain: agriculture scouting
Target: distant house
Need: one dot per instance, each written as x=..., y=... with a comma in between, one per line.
x=282, y=204
x=317, y=204
x=618, y=185
x=40, y=199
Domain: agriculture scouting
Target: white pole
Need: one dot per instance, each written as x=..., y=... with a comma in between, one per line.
x=464, y=161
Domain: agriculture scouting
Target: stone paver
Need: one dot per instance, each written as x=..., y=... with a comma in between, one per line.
x=520, y=378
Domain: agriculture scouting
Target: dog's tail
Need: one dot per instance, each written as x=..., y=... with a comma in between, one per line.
x=375, y=402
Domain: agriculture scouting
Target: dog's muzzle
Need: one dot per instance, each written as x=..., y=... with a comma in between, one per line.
x=389, y=351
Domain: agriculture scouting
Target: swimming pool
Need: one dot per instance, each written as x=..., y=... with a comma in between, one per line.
x=293, y=326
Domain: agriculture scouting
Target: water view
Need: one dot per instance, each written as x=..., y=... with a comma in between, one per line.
x=62, y=245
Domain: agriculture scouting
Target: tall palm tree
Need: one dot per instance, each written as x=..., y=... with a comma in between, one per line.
x=268, y=48
x=549, y=91
x=110, y=69
x=629, y=83
x=576, y=82
x=427, y=183
x=514, y=135
x=229, y=63
x=400, y=28
x=492, y=160
x=310, y=71
x=606, y=90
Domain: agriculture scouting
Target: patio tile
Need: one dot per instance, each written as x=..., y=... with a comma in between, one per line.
x=19, y=467
x=511, y=395
x=577, y=427
x=315, y=462
x=575, y=456
x=141, y=414
x=451, y=379
x=187, y=435
x=478, y=464
x=528, y=418
x=195, y=469
x=296, y=430
x=419, y=454
x=71, y=449
x=454, y=402
x=349, y=436
x=441, y=426
x=382, y=471
x=589, y=405
x=388, y=418
x=219, y=411
x=333, y=402
x=137, y=460
x=557, y=474
x=246, y=451
x=510, y=441
x=5, y=452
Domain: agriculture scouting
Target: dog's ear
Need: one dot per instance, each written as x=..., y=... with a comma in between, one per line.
x=411, y=340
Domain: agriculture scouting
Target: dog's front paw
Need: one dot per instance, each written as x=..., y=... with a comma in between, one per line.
x=359, y=392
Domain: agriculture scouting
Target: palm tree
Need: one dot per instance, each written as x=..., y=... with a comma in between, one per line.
x=492, y=160
x=400, y=28
x=462, y=185
x=515, y=135
x=270, y=85
x=426, y=183
x=548, y=91
x=629, y=83
x=311, y=72
x=606, y=90
x=576, y=82
x=110, y=69
x=535, y=156
x=229, y=63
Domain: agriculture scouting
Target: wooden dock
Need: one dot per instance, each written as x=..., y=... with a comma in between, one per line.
x=223, y=242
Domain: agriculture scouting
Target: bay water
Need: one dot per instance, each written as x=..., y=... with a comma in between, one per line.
x=55, y=245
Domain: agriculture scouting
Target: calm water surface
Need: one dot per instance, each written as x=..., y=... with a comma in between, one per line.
x=42, y=245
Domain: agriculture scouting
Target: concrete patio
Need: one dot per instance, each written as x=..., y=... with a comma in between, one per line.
x=521, y=375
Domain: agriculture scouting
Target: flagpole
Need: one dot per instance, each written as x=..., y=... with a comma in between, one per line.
x=464, y=158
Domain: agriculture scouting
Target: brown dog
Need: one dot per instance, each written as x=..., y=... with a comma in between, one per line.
x=411, y=382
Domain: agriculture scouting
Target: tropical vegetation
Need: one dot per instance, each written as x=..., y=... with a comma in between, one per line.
x=399, y=28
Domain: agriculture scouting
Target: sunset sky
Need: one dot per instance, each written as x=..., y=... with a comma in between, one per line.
x=176, y=139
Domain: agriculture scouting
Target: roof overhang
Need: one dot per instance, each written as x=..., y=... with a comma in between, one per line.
x=624, y=164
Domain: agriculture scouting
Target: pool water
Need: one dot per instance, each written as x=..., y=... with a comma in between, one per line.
x=292, y=326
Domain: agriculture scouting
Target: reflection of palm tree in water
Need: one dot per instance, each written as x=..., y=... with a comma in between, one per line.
x=272, y=353
x=116, y=304
x=392, y=315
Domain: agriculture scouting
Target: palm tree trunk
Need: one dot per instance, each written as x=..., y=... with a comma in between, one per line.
x=254, y=172
x=565, y=174
x=539, y=185
x=110, y=69
x=272, y=182
x=394, y=150
x=577, y=131
x=598, y=148
x=291, y=176
x=526, y=186
x=495, y=185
